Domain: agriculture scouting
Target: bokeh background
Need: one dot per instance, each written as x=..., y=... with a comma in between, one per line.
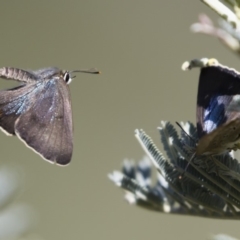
x=139, y=46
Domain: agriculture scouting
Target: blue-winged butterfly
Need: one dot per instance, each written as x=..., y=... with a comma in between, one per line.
x=218, y=107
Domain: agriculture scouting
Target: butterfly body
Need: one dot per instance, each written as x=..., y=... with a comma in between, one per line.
x=39, y=111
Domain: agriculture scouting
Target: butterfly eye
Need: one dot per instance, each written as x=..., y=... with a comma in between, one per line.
x=67, y=78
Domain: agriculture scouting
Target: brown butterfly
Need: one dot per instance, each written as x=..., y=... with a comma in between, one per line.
x=39, y=111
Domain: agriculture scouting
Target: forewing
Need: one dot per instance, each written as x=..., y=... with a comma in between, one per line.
x=218, y=85
x=47, y=126
x=14, y=102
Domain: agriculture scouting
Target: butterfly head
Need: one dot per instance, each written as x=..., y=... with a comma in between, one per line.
x=56, y=73
x=67, y=77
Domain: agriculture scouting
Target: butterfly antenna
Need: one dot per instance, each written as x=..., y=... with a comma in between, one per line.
x=185, y=131
x=185, y=169
x=91, y=70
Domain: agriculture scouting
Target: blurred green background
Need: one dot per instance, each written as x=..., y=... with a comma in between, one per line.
x=139, y=46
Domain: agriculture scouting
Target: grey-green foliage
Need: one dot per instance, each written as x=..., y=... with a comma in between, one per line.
x=209, y=187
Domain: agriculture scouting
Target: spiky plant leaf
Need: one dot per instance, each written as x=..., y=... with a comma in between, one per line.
x=208, y=187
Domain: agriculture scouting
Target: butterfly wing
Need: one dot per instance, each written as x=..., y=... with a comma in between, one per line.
x=218, y=86
x=47, y=125
x=218, y=128
x=13, y=102
x=224, y=138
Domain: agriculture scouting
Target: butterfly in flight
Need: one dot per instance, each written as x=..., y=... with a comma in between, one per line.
x=39, y=111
